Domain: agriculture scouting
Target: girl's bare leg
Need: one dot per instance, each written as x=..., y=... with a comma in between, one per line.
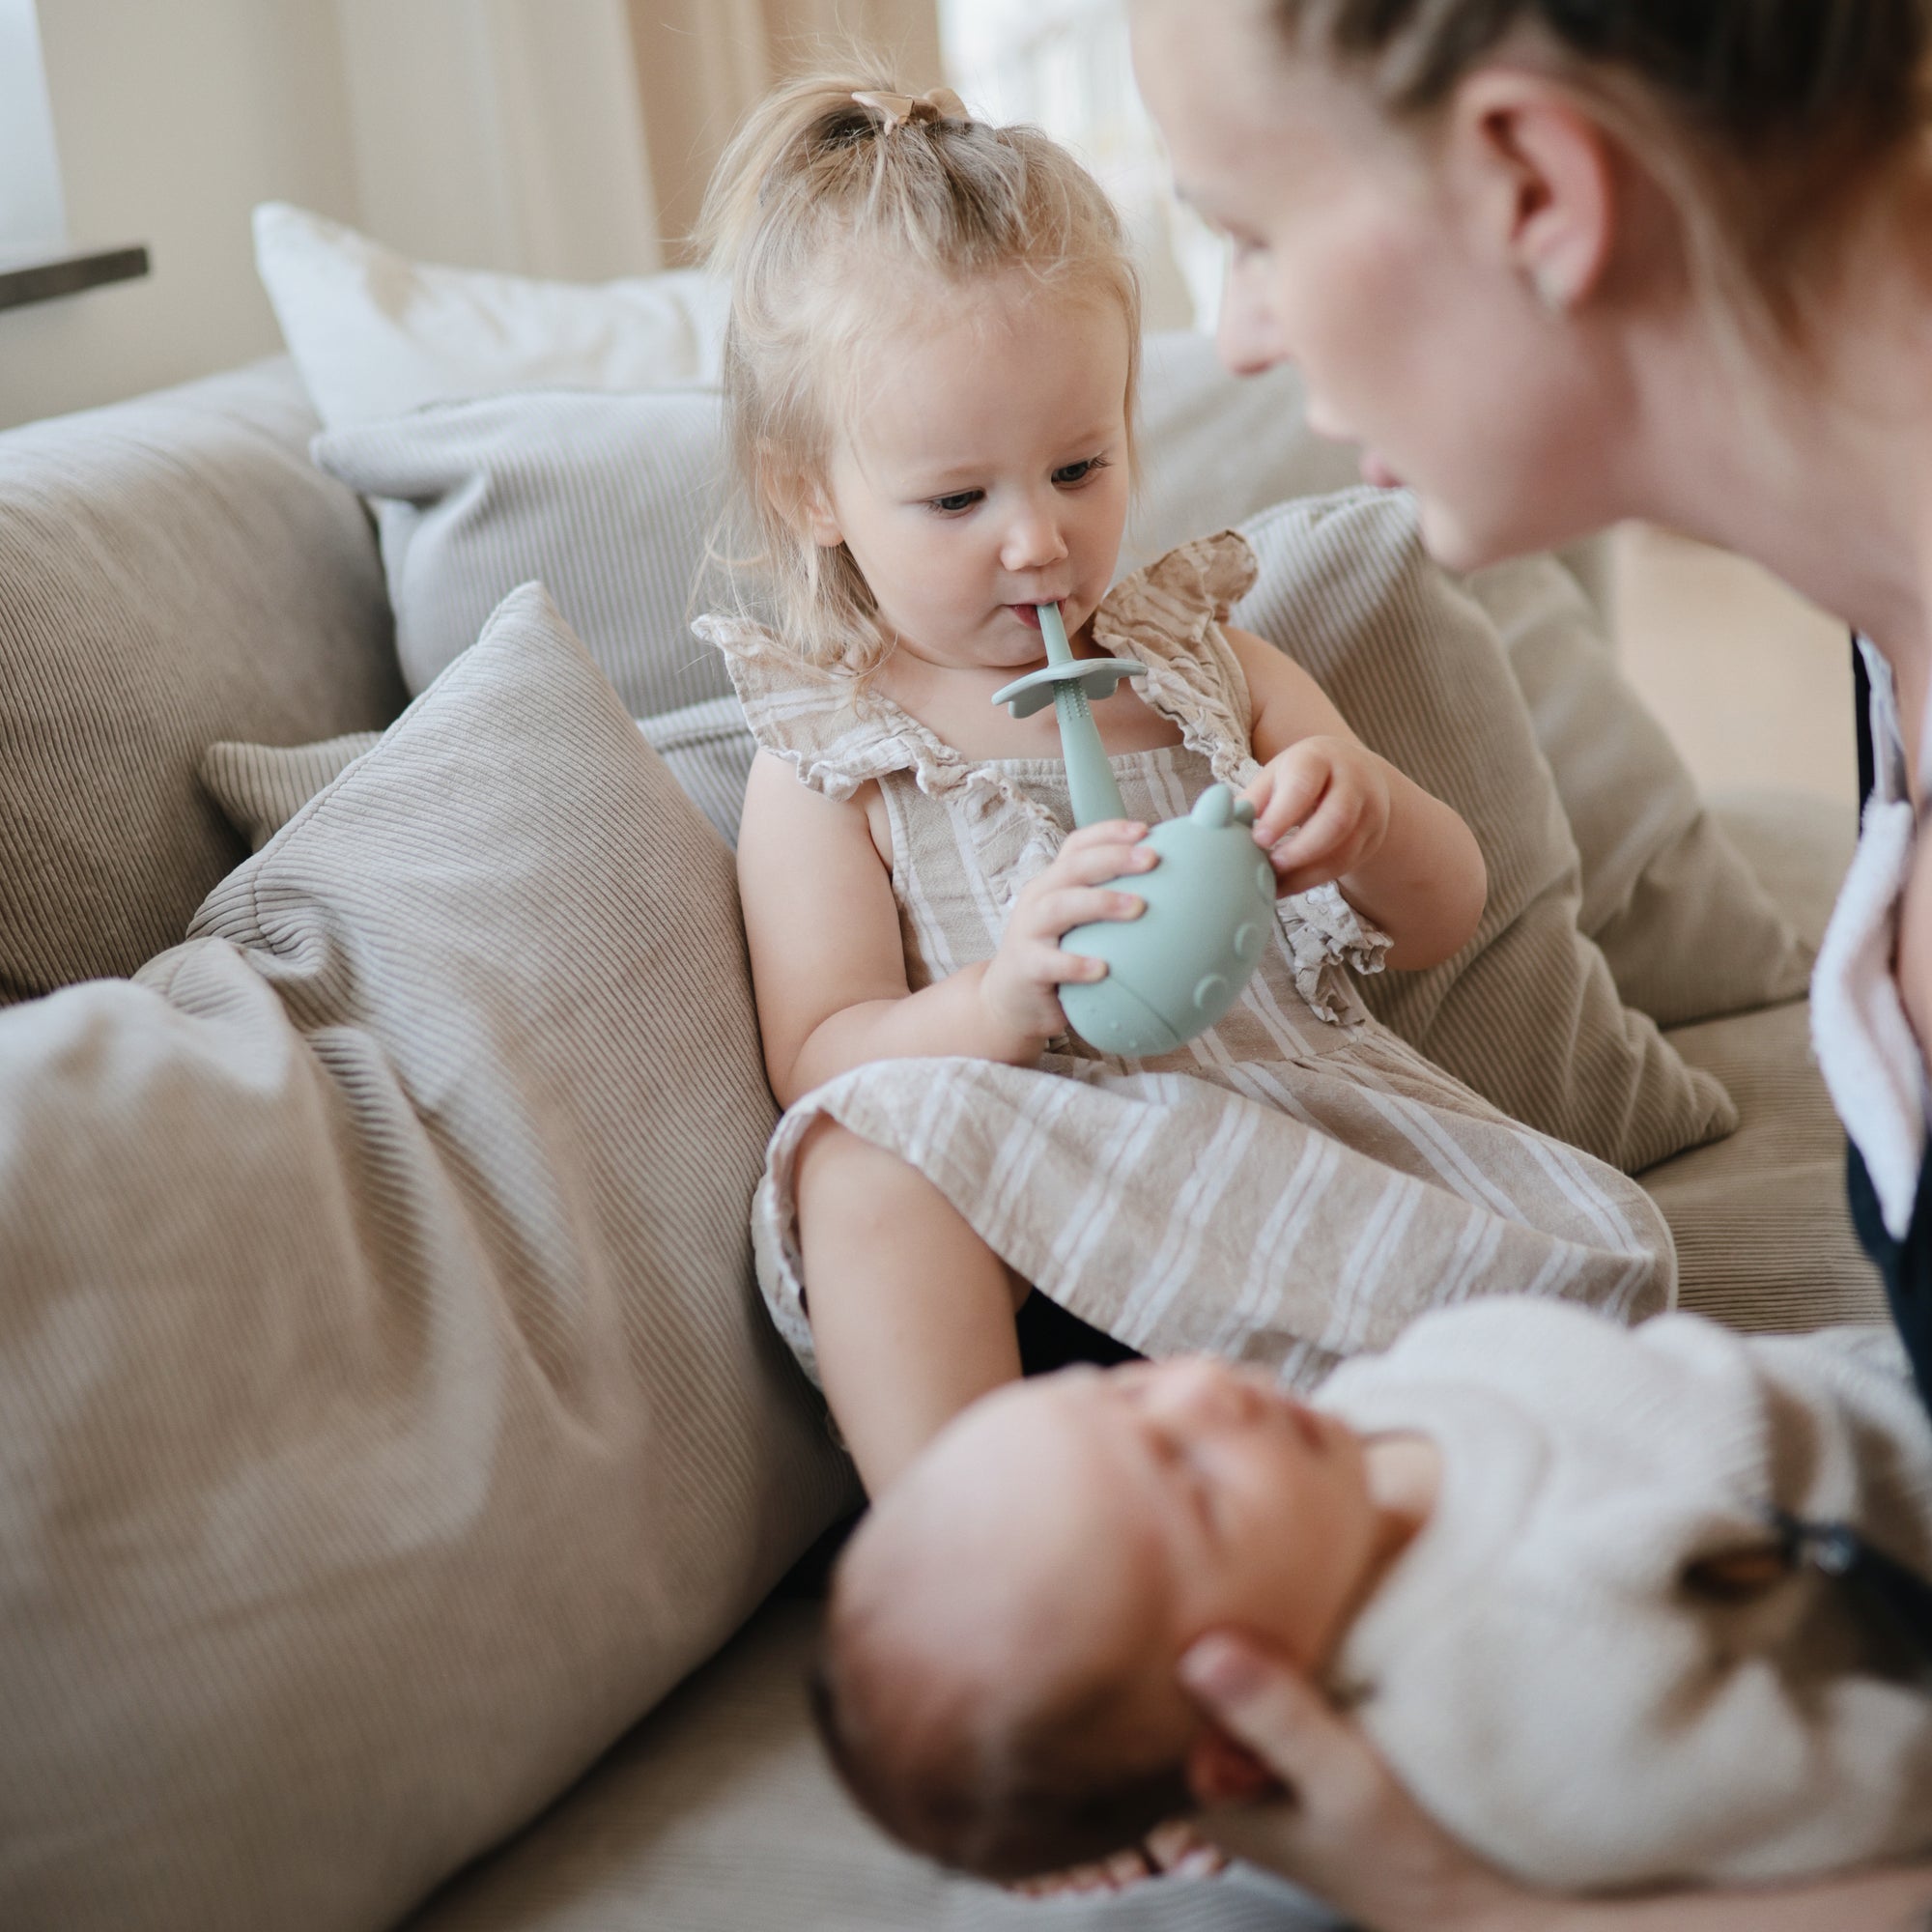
x=911, y=1314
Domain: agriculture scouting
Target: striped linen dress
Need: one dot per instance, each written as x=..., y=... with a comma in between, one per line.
x=1292, y=1187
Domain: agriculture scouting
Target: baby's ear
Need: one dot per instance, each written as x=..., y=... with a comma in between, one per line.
x=1221, y=1772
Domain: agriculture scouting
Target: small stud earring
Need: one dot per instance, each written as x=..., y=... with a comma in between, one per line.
x=1549, y=289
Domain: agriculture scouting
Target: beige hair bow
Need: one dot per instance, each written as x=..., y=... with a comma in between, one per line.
x=897, y=110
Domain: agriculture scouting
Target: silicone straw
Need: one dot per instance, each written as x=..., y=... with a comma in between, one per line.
x=1089, y=778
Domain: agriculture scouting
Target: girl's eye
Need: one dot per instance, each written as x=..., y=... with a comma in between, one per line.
x=953, y=506
x=1078, y=472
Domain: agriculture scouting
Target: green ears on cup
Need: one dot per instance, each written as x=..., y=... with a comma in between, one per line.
x=1173, y=972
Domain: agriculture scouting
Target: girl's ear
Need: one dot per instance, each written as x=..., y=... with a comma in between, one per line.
x=800, y=499
x=1221, y=1772
x=1538, y=178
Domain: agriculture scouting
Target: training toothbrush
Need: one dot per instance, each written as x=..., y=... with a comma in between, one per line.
x=1173, y=971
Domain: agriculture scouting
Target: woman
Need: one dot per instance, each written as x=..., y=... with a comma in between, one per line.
x=1555, y=263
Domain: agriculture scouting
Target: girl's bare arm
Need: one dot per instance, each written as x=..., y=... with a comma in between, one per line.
x=827, y=961
x=1425, y=883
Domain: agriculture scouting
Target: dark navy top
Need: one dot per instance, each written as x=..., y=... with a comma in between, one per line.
x=1907, y=1264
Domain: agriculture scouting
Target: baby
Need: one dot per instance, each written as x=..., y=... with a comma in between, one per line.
x=1532, y=1550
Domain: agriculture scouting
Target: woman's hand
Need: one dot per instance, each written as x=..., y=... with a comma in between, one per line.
x=1337, y=1822
x=1017, y=989
x=1296, y=1788
x=1321, y=809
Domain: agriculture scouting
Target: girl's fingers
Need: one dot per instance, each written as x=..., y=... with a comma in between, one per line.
x=1107, y=832
x=1292, y=795
x=1322, y=835
x=1096, y=865
x=1060, y=912
x=1072, y=968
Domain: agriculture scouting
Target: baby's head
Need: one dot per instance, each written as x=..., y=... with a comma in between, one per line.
x=999, y=1685
x=930, y=372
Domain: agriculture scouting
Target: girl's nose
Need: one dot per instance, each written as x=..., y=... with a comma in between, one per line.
x=1032, y=541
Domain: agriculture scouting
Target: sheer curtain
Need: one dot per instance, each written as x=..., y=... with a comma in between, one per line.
x=1065, y=66
x=701, y=63
x=573, y=138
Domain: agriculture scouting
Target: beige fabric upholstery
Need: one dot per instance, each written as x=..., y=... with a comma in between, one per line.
x=260, y=787
x=1527, y=1013
x=394, y=1422
x=1764, y=1239
x=172, y=571
x=611, y=499
x=1685, y=928
x=721, y=1814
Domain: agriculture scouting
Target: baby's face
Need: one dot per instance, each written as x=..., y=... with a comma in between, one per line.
x=1088, y=1526
x=983, y=470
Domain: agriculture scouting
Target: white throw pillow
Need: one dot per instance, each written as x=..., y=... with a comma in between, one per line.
x=374, y=333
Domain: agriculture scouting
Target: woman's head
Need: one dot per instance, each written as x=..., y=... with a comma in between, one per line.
x=898, y=270
x=1476, y=224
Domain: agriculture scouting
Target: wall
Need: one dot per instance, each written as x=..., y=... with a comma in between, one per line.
x=172, y=122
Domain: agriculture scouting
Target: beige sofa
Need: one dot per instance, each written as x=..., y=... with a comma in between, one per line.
x=174, y=572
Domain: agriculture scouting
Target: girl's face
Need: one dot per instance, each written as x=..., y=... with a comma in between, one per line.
x=1377, y=261
x=985, y=471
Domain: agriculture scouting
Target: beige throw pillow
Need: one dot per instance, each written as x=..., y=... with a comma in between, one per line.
x=1683, y=922
x=1527, y=1013
x=390, y=1418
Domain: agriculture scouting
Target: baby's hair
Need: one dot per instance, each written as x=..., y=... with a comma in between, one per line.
x=821, y=210
x=1062, y=1782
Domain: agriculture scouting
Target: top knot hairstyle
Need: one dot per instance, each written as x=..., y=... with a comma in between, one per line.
x=844, y=206
x=1777, y=114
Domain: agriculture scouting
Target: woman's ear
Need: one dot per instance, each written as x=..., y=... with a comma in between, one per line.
x=1221, y=1772
x=1536, y=175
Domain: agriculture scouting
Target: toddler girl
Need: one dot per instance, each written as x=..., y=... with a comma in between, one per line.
x=931, y=368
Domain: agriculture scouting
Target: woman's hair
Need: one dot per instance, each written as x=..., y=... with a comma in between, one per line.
x=1775, y=115
x=832, y=218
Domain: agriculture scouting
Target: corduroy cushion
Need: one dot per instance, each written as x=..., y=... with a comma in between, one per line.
x=172, y=571
x=1685, y=926
x=1527, y=1013
x=389, y=1416
x=260, y=787
x=610, y=499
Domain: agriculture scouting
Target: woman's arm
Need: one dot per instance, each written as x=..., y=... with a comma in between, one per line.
x=1423, y=880
x=1350, y=1832
x=827, y=961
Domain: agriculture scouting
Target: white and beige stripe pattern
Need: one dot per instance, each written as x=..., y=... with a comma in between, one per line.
x=1292, y=1187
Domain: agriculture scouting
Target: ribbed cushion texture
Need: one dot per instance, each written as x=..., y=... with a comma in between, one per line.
x=389, y=1417
x=260, y=787
x=1527, y=1013
x=1684, y=926
x=172, y=571
x=611, y=501
x=721, y=1814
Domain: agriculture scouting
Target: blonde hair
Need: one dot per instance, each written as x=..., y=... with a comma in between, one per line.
x=816, y=188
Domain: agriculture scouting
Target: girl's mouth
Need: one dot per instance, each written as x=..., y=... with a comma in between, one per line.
x=1027, y=613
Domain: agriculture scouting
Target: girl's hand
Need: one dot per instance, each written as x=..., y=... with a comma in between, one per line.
x=1018, y=986
x=1321, y=809
x=1331, y=1816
